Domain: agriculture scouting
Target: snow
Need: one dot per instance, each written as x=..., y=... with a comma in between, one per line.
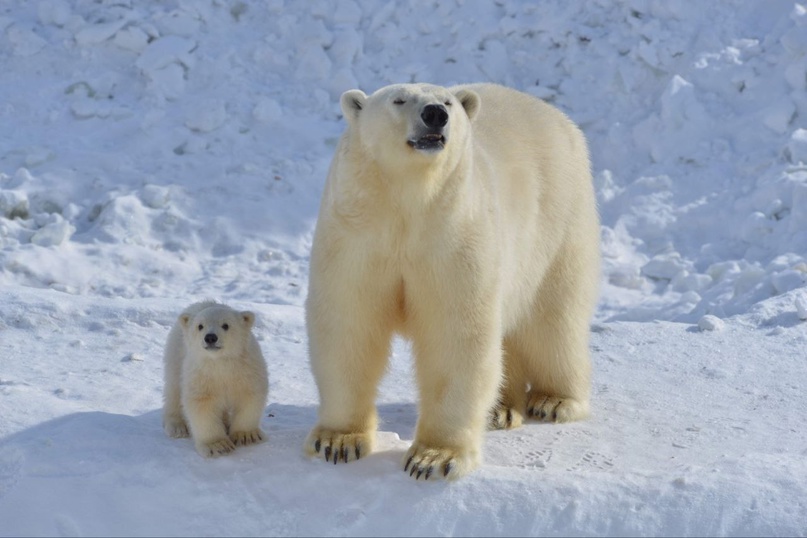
x=154, y=154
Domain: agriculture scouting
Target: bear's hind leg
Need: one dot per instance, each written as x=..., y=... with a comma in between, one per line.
x=175, y=426
x=510, y=408
x=553, y=344
x=173, y=419
x=559, y=371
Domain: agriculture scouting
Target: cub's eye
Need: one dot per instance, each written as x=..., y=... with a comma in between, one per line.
x=398, y=102
x=226, y=327
x=201, y=326
x=447, y=103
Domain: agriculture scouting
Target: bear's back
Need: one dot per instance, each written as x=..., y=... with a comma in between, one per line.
x=516, y=126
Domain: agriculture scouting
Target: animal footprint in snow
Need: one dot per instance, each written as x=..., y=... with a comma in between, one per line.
x=594, y=460
x=538, y=458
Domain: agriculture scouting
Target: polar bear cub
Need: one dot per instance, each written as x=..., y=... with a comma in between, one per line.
x=464, y=219
x=216, y=381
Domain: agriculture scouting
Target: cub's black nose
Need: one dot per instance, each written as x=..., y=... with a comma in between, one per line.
x=434, y=116
x=211, y=339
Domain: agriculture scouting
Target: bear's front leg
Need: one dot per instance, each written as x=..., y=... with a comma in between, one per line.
x=349, y=318
x=246, y=421
x=205, y=417
x=458, y=358
x=454, y=411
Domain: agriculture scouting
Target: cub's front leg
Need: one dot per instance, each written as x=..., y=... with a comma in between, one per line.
x=205, y=417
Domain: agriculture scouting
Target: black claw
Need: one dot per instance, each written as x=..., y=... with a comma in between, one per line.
x=344, y=454
x=531, y=412
x=317, y=446
x=555, y=411
x=447, y=469
x=543, y=414
x=406, y=467
x=429, y=471
x=420, y=472
x=414, y=468
x=358, y=452
x=509, y=417
x=327, y=453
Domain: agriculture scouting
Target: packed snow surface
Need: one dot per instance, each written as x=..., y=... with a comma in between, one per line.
x=153, y=154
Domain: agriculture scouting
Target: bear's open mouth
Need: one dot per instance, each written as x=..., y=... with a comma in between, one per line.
x=431, y=141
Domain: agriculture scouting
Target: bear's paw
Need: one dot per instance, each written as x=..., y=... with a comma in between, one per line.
x=338, y=446
x=246, y=438
x=176, y=428
x=546, y=408
x=436, y=463
x=503, y=417
x=216, y=448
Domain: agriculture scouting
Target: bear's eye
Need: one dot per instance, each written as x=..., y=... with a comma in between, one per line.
x=201, y=326
x=398, y=101
x=226, y=327
x=447, y=103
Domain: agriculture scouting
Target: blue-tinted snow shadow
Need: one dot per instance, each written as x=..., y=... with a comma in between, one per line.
x=102, y=471
x=399, y=418
x=94, y=443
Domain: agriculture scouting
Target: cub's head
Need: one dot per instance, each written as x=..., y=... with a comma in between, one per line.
x=217, y=330
x=404, y=122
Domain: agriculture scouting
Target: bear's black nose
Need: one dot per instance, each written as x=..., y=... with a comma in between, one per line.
x=211, y=339
x=434, y=116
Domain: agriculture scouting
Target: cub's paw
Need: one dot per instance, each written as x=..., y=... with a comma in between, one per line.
x=504, y=418
x=446, y=463
x=246, y=438
x=555, y=409
x=338, y=446
x=216, y=448
x=176, y=428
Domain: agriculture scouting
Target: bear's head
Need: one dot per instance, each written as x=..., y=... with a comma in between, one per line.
x=217, y=331
x=405, y=123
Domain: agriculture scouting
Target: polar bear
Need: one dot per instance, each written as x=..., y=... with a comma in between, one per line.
x=216, y=382
x=465, y=220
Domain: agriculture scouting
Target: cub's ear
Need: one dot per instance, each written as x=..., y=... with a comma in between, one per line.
x=184, y=320
x=352, y=102
x=249, y=318
x=470, y=101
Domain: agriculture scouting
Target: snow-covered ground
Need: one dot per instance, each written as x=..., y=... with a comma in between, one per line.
x=157, y=153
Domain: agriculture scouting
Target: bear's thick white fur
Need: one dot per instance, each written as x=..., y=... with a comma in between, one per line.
x=479, y=241
x=216, y=381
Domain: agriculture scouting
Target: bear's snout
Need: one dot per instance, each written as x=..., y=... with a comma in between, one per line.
x=211, y=339
x=434, y=116
x=432, y=138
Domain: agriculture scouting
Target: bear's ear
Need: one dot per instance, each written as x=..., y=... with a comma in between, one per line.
x=184, y=320
x=352, y=102
x=249, y=318
x=470, y=102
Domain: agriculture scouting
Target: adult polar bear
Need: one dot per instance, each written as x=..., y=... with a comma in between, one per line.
x=465, y=219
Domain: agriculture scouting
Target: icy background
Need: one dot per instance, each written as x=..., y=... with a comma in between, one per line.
x=157, y=153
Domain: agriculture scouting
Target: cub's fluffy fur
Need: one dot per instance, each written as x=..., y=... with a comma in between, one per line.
x=215, y=379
